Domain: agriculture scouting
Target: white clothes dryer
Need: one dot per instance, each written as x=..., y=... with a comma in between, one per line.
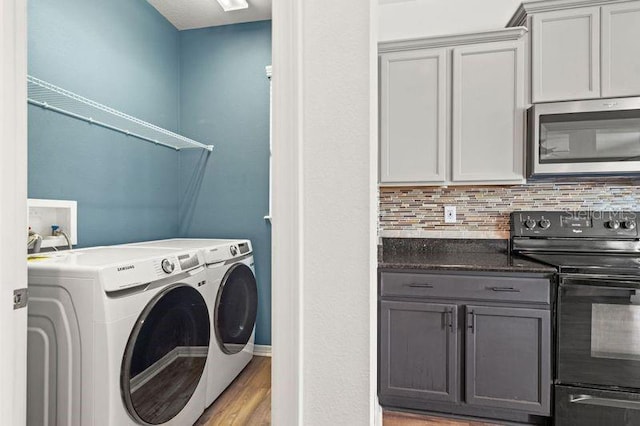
x=233, y=305
x=117, y=336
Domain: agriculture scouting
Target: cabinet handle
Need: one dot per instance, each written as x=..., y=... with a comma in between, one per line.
x=471, y=321
x=447, y=318
x=506, y=289
x=451, y=319
x=419, y=285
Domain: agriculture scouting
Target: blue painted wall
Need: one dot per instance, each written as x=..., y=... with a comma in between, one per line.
x=208, y=84
x=124, y=54
x=225, y=97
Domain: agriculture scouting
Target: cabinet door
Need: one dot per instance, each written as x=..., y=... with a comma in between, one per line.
x=566, y=55
x=413, y=117
x=418, y=351
x=508, y=356
x=621, y=49
x=488, y=112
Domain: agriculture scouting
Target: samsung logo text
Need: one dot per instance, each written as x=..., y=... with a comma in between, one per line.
x=125, y=268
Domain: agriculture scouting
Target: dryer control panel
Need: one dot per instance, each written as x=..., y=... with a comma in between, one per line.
x=224, y=252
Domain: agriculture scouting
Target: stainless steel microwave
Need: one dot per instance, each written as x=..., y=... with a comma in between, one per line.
x=594, y=137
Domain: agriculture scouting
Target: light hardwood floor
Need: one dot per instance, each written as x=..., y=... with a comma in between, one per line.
x=403, y=419
x=247, y=401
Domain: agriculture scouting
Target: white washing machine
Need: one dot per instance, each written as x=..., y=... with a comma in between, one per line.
x=233, y=305
x=117, y=336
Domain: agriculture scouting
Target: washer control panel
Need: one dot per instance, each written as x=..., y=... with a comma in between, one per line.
x=575, y=224
x=188, y=261
x=122, y=267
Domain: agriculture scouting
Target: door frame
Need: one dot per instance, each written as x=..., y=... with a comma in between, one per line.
x=306, y=368
x=288, y=303
x=13, y=213
x=286, y=387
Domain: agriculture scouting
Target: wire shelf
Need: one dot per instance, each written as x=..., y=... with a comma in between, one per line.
x=54, y=98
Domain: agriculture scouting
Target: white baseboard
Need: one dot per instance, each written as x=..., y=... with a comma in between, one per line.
x=262, y=350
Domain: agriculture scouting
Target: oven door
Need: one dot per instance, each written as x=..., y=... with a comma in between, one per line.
x=599, y=331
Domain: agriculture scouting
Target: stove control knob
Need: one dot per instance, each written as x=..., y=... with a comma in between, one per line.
x=629, y=224
x=613, y=224
x=167, y=266
x=530, y=223
x=545, y=223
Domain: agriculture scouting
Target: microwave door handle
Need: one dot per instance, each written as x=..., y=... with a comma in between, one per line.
x=604, y=402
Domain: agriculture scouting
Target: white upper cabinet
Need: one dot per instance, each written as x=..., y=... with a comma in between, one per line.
x=488, y=112
x=452, y=109
x=582, y=49
x=566, y=55
x=621, y=49
x=413, y=114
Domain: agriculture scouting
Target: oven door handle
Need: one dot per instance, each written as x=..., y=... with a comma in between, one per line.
x=600, y=281
x=604, y=402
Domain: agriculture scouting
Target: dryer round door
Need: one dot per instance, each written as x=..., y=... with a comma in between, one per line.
x=165, y=355
x=236, y=309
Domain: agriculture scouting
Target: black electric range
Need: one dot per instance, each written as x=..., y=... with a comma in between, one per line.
x=597, y=255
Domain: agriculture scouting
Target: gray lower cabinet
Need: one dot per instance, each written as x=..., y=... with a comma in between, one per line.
x=418, y=351
x=466, y=344
x=507, y=358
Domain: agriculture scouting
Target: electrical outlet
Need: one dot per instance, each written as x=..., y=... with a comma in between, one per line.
x=449, y=214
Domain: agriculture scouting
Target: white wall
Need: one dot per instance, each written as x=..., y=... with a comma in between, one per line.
x=324, y=262
x=401, y=19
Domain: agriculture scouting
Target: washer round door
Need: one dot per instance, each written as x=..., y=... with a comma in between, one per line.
x=236, y=308
x=165, y=355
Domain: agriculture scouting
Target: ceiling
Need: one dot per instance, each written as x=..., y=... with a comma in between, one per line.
x=190, y=14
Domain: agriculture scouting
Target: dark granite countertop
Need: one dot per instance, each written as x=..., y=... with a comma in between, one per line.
x=454, y=254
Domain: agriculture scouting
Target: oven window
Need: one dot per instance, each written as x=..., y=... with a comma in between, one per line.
x=590, y=137
x=614, y=331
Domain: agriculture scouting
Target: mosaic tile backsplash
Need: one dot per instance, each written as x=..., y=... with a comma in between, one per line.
x=483, y=212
